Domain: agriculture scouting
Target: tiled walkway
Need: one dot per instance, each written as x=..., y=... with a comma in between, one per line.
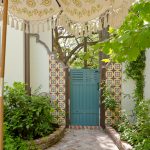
x=85, y=139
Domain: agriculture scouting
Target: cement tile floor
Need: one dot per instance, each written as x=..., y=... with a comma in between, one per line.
x=85, y=139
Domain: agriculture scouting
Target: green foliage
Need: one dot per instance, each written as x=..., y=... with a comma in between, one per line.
x=137, y=134
x=109, y=100
x=143, y=118
x=127, y=42
x=27, y=117
x=91, y=56
x=126, y=129
x=11, y=143
x=135, y=71
x=144, y=145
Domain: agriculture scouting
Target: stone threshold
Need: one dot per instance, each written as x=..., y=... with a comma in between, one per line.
x=84, y=127
x=122, y=145
x=48, y=141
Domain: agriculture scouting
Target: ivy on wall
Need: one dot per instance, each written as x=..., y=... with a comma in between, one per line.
x=135, y=71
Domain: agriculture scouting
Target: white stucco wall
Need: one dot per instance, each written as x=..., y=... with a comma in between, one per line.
x=127, y=103
x=47, y=39
x=147, y=75
x=39, y=59
x=128, y=86
x=40, y=62
x=14, y=68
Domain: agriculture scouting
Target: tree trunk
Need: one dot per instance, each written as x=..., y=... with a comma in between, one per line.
x=85, y=51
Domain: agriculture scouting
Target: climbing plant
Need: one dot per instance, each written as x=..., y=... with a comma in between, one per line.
x=135, y=71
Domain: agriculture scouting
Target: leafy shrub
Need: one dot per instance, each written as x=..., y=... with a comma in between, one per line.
x=143, y=125
x=144, y=145
x=27, y=117
x=11, y=143
x=126, y=129
x=137, y=134
x=143, y=117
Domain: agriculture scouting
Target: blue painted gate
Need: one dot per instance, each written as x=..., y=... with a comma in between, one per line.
x=84, y=97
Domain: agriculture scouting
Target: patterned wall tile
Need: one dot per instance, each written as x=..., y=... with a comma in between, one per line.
x=114, y=79
x=57, y=77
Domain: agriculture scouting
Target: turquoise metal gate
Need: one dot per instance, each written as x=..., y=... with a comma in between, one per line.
x=84, y=97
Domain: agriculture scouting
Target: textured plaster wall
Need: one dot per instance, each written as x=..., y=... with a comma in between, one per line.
x=147, y=76
x=128, y=86
x=14, y=56
x=39, y=62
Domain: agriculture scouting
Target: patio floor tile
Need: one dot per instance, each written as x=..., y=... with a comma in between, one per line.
x=85, y=139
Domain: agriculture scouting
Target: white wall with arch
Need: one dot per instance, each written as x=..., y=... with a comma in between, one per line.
x=39, y=59
x=39, y=62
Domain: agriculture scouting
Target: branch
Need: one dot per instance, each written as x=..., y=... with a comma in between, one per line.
x=77, y=47
x=75, y=57
x=57, y=46
x=92, y=43
x=74, y=50
x=77, y=40
x=65, y=37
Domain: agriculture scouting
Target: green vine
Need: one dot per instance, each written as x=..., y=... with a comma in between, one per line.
x=109, y=100
x=135, y=71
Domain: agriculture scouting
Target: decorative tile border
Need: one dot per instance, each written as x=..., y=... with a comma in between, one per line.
x=57, y=76
x=114, y=79
x=84, y=127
